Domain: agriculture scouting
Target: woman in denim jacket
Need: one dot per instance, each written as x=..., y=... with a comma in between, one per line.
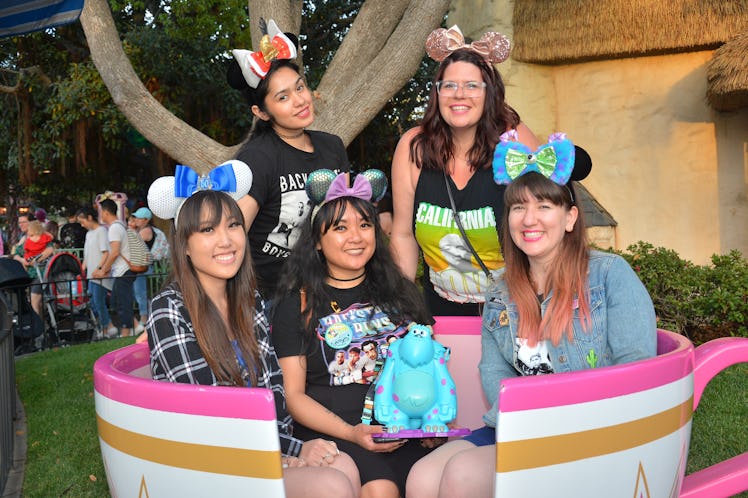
x=557, y=307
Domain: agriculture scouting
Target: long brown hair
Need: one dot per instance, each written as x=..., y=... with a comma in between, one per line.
x=211, y=331
x=568, y=273
x=433, y=148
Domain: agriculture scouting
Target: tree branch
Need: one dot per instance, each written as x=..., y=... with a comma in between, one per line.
x=358, y=92
x=167, y=132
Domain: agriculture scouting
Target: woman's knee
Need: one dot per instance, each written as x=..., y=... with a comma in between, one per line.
x=317, y=482
x=345, y=464
x=469, y=473
x=424, y=476
x=380, y=488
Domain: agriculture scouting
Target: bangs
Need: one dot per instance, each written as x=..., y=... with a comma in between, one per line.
x=331, y=213
x=206, y=207
x=540, y=187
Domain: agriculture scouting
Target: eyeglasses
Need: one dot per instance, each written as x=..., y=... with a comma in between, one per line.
x=470, y=89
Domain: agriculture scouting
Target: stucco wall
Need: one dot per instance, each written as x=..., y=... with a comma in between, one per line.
x=670, y=170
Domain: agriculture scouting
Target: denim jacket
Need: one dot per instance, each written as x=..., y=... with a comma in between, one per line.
x=623, y=327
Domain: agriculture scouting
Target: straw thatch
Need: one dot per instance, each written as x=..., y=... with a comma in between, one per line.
x=727, y=75
x=563, y=31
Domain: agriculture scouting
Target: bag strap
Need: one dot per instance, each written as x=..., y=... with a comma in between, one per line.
x=456, y=215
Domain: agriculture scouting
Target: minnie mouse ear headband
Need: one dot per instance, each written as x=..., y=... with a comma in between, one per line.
x=559, y=160
x=323, y=186
x=167, y=194
x=274, y=44
x=492, y=46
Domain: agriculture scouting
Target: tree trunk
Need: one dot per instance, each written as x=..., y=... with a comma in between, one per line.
x=167, y=132
x=380, y=53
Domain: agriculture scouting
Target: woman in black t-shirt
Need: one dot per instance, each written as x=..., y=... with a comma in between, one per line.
x=280, y=152
x=339, y=300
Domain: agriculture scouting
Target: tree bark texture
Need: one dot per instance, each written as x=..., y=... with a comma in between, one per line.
x=379, y=54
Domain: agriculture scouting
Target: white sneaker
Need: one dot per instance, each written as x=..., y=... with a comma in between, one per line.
x=112, y=332
x=139, y=329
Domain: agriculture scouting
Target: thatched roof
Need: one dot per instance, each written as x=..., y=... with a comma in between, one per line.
x=727, y=75
x=564, y=31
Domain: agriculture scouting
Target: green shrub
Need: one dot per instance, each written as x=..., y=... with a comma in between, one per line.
x=700, y=302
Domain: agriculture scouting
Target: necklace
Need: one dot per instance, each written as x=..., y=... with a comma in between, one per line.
x=289, y=137
x=346, y=279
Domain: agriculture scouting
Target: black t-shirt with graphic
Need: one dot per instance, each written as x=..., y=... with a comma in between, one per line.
x=279, y=174
x=345, y=356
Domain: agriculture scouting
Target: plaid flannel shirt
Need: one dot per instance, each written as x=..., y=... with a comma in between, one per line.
x=177, y=357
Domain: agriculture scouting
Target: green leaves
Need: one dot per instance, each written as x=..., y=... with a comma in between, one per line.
x=701, y=302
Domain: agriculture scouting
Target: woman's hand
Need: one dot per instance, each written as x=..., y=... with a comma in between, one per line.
x=362, y=437
x=289, y=461
x=319, y=452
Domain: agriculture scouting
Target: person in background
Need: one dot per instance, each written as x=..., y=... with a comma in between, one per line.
x=40, y=215
x=114, y=263
x=384, y=210
x=23, y=226
x=158, y=246
x=37, y=248
x=281, y=153
x=558, y=306
x=340, y=290
x=448, y=157
x=72, y=234
x=208, y=326
x=96, y=250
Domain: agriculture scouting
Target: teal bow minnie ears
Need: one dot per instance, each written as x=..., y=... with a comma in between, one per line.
x=554, y=160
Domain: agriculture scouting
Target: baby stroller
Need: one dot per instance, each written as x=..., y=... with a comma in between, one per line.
x=67, y=304
x=27, y=325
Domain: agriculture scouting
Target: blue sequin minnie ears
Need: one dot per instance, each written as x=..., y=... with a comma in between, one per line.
x=554, y=160
x=167, y=194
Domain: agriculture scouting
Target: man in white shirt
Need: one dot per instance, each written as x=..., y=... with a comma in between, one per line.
x=122, y=291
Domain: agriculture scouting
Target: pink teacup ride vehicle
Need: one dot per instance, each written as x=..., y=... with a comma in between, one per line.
x=614, y=431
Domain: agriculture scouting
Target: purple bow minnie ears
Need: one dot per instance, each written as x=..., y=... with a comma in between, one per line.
x=323, y=186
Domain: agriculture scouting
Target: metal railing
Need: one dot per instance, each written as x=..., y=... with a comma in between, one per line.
x=67, y=315
x=7, y=393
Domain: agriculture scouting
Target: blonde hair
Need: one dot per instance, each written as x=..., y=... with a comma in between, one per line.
x=35, y=228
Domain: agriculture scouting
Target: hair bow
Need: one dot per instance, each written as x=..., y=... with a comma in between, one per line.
x=492, y=46
x=554, y=160
x=274, y=44
x=166, y=194
x=323, y=186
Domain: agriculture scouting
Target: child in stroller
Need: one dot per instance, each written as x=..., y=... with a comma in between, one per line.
x=37, y=248
x=70, y=316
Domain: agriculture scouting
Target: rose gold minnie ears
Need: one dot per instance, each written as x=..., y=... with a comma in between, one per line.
x=274, y=45
x=492, y=46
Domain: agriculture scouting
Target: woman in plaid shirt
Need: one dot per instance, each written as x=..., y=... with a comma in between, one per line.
x=208, y=327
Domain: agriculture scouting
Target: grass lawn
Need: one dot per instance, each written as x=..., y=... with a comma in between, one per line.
x=56, y=388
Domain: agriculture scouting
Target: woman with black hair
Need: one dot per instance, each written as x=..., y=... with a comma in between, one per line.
x=280, y=151
x=340, y=291
x=208, y=326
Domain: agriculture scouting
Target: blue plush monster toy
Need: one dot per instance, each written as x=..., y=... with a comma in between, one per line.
x=415, y=391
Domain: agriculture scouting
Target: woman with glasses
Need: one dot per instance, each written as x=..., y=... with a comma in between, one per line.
x=280, y=151
x=449, y=155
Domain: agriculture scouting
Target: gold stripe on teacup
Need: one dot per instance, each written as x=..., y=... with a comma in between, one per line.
x=553, y=450
x=204, y=458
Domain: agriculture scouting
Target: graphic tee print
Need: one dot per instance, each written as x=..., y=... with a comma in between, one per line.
x=532, y=360
x=453, y=271
x=294, y=211
x=355, y=343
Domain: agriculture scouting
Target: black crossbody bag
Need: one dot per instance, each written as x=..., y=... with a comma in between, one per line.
x=456, y=215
